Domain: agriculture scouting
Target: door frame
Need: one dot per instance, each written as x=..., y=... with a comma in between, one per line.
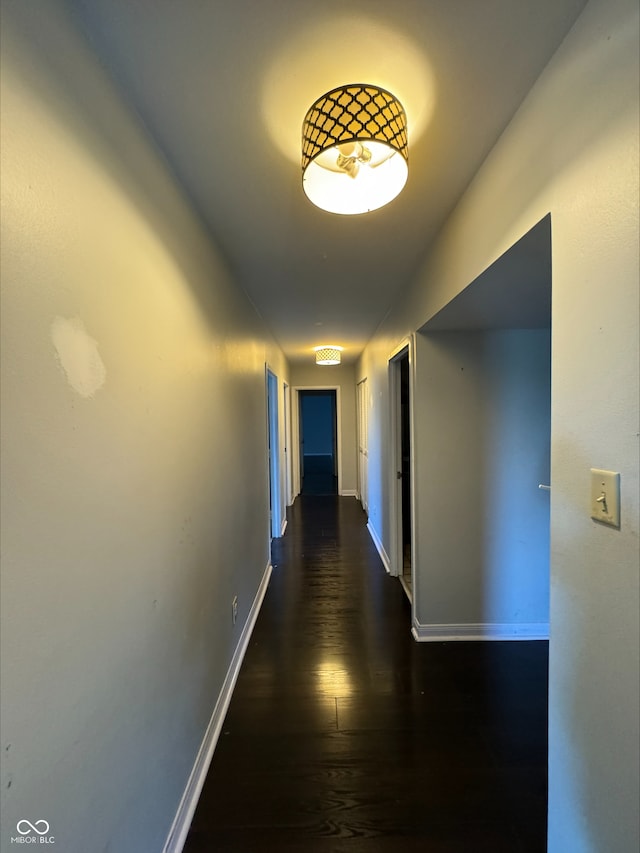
x=295, y=434
x=362, y=438
x=396, y=557
x=286, y=402
x=273, y=454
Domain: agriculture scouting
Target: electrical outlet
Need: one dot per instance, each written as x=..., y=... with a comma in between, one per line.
x=234, y=609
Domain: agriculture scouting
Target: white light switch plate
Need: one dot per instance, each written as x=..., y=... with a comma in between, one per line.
x=605, y=496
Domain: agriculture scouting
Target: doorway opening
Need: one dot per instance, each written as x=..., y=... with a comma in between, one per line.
x=405, y=453
x=318, y=442
x=401, y=421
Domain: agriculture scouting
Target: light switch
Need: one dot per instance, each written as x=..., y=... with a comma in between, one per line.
x=605, y=496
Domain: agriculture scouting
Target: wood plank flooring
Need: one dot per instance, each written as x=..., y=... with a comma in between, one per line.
x=318, y=477
x=344, y=735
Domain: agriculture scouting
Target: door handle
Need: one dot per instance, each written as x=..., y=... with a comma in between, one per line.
x=398, y=475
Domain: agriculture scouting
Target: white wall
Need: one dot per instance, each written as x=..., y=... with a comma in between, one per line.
x=340, y=376
x=483, y=405
x=572, y=150
x=134, y=487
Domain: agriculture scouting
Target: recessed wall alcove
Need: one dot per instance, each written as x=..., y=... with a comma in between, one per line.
x=483, y=423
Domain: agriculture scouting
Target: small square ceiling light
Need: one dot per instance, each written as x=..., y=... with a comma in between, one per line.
x=354, y=149
x=328, y=355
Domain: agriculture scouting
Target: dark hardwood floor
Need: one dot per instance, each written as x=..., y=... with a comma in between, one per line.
x=318, y=477
x=344, y=735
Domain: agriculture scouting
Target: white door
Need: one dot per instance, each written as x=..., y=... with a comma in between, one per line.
x=273, y=444
x=362, y=399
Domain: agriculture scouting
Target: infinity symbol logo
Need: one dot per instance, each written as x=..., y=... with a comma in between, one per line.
x=40, y=827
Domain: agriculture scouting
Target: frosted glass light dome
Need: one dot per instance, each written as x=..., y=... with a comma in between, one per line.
x=354, y=149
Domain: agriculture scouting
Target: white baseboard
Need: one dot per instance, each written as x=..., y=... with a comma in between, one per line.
x=284, y=526
x=386, y=562
x=480, y=631
x=348, y=493
x=182, y=821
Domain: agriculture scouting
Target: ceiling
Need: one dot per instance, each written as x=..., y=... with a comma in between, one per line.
x=223, y=85
x=513, y=293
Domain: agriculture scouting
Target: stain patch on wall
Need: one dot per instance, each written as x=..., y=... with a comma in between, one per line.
x=78, y=355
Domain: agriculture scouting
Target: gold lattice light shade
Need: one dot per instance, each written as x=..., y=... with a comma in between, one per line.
x=328, y=354
x=354, y=149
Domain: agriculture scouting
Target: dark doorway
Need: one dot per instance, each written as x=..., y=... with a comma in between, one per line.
x=318, y=443
x=405, y=450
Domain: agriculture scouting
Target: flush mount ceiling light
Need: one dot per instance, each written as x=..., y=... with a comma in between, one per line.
x=328, y=354
x=354, y=149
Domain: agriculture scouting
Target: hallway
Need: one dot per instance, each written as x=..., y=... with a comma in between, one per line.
x=345, y=735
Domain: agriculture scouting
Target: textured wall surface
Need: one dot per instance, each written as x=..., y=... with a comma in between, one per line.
x=483, y=405
x=571, y=150
x=134, y=487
